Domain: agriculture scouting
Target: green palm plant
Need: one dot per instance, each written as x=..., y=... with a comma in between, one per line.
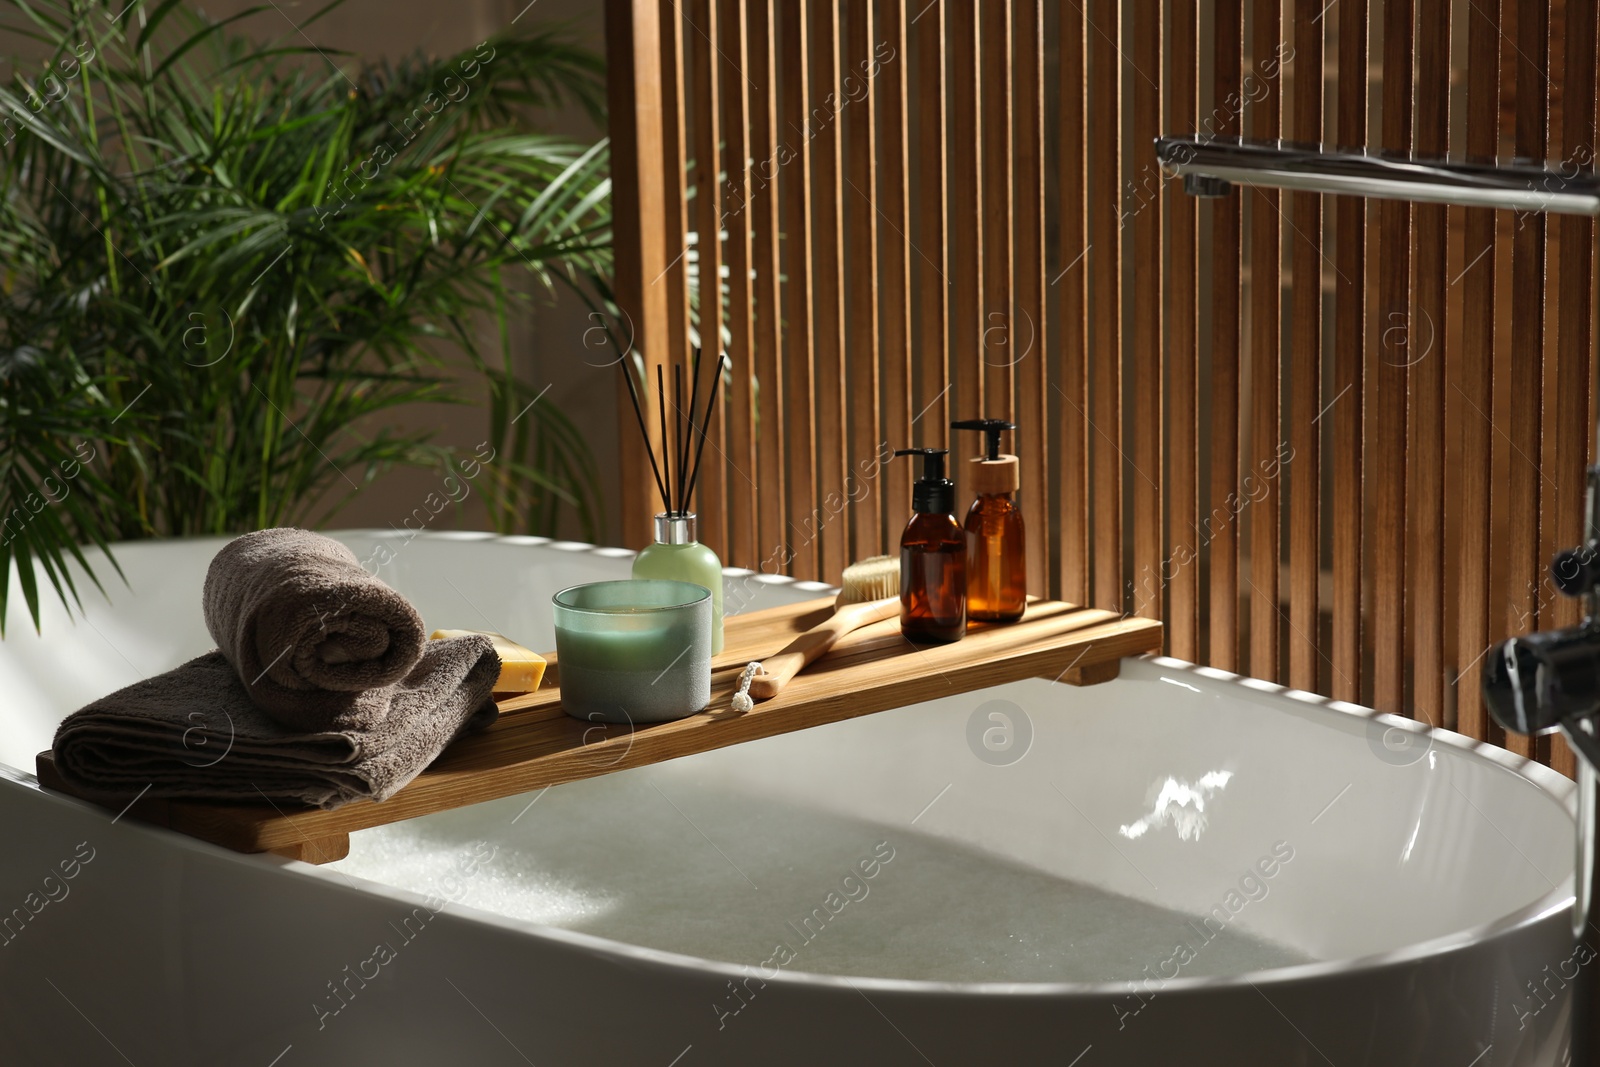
x=227, y=264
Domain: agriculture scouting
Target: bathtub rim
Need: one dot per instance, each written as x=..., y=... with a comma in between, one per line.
x=1557, y=786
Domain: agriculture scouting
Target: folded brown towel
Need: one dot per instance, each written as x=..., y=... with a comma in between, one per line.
x=195, y=733
x=307, y=628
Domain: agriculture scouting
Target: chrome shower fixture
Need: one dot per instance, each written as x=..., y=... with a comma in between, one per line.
x=1210, y=166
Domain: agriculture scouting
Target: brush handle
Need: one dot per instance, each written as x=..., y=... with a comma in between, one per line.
x=815, y=642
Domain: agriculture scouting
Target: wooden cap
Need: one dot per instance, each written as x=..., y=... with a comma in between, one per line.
x=993, y=476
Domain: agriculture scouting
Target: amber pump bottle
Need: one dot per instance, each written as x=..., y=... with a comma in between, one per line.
x=997, y=575
x=933, y=557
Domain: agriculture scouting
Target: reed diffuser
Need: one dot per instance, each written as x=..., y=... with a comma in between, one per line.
x=676, y=554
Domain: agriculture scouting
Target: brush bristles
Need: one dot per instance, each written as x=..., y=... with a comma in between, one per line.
x=870, y=579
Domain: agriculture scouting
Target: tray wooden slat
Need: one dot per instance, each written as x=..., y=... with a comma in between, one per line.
x=536, y=744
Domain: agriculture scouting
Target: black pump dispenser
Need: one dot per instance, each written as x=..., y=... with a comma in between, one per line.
x=933, y=492
x=991, y=430
x=933, y=557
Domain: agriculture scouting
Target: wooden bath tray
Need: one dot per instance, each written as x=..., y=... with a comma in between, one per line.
x=535, y=744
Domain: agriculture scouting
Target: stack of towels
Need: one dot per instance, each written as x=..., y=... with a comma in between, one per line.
x=323, y=689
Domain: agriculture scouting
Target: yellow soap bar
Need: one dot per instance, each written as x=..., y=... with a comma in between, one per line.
x=521, y=671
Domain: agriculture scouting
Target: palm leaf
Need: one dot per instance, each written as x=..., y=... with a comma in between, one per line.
x=195, y=282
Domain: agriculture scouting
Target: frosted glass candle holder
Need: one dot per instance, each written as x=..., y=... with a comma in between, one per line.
x=633, y=651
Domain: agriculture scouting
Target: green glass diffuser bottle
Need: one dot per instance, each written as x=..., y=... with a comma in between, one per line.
x=677, y=556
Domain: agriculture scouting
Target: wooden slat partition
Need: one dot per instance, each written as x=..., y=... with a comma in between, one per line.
x=1181, y=567
x=1430, y=350
x=931, y=265
x=712, y=496
x=675, y=150
x=1342, y=477
x=732, y=60
x=1525, y=569
x=1221, y=507
x=1573, y=434
x=794, y=189
x=1305, y=364
x=1143, y=207
x=1000, y=333
x=1261, y=486
x=966, y=225
x=1501, y=377
x=1031, y=338
x=1471, y=388
x=1072, y=279
x=858, y=96
x=638, y=159
x=1386, y=447
x=892, y=52
x=1104, y=264
x=829, y=385
x=1349, y=367
x=772, y=413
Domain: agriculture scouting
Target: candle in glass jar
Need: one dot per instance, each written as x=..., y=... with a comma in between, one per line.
x=633, y=651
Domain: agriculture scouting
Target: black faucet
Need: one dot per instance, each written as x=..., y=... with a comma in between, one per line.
x=1541, y=682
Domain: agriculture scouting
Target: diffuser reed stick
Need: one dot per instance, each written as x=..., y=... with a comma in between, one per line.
x=677, y=420
x=661, y=409
x=705, y=423
x=638, y=413
x=694, y=402
x=676, y=476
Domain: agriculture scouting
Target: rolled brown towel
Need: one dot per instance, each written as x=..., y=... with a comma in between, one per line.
x=307, y=628
x=195, y=733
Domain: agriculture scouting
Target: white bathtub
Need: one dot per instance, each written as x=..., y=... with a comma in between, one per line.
x=975, y=880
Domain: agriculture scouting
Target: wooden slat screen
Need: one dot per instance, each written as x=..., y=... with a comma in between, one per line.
x=1305, y=368
x=732, y=59
x=1425, y=446
x=1526, y=415
x=1349, y=368
x=893, y=213
x=1070, y=274
x=1389, y=360
x=701, y=24
x=1470, y=383
x=1142, y=227
x=1216, y=540
x=1568, y=454
x=1265, y=356
x=1182, y=310
x=792, y=178
x=897, y=254
x=824, y=117
x=762, y=206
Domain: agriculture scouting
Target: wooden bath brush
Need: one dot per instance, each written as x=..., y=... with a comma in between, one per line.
x=869, y=579
x=763, y=679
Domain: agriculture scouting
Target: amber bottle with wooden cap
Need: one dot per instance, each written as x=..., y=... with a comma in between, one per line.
x=997, y=574
x=933, y=557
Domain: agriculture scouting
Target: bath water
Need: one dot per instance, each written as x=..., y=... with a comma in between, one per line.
x=658, y=859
